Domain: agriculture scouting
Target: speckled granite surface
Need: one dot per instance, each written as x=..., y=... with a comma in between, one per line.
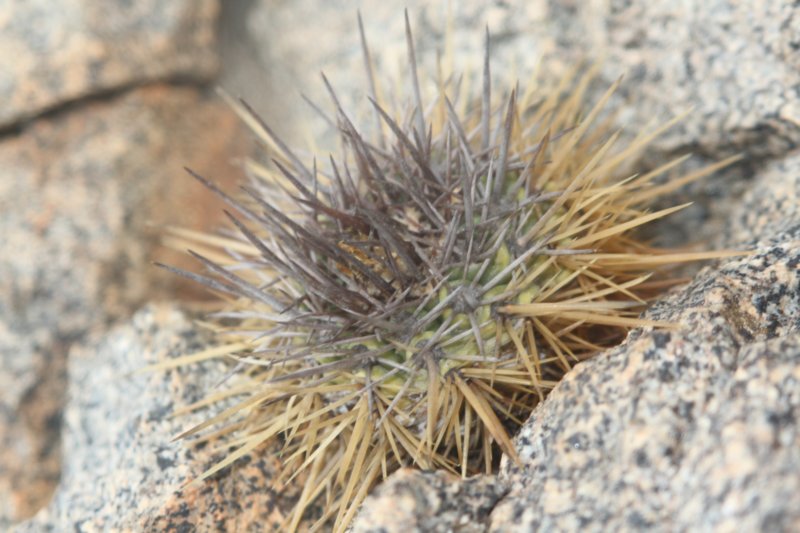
x=81, y=194
x=769, y=212
x=121, y=471
x=56, y=51
x=88, y=166
x=734, y=63
x=692, y=429
x=430, y=502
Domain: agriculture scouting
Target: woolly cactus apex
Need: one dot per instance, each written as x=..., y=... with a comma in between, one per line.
x=411, y=301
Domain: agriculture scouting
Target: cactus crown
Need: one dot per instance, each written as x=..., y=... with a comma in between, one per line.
x=410, y=304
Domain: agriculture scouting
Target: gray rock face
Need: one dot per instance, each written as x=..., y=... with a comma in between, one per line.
x=99, y=439
x=82, y=189
x=429, y=502
x=57, y=51
x=690, y=429
x=33, y=381
x=81, y=194
x=733, y=63
x=770, y=211
x=122, y=472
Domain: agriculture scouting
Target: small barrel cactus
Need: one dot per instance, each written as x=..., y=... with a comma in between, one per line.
x=411, y=302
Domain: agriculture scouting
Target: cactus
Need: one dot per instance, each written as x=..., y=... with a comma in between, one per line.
x=411, y=302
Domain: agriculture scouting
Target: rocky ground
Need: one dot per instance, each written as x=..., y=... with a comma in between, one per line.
x=105, y=102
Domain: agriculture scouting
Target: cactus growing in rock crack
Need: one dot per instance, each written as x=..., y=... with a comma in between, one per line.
x=411, y=302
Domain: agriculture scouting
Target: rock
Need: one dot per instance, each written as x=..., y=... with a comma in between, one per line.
x=57, y=52
x=672, y=430
x=733, y=64
x=429, y=502
x=769, y=212
x=84, y=195
x=296, y=40
x=32, y=381
x=122, y=472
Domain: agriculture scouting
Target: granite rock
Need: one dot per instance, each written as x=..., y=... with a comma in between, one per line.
x=52, y=52
x=83, y=197
x=769, y=212
x=695, y=428
x=122, y=471
x=411, y=501
x=733, y=63
x=32, y=377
